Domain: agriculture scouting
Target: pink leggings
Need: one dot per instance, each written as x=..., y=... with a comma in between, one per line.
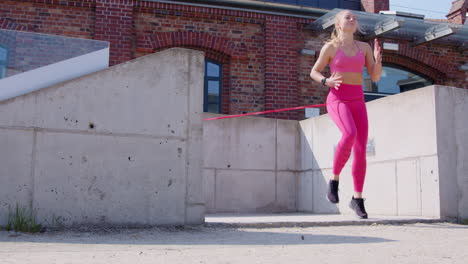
x=347, y=109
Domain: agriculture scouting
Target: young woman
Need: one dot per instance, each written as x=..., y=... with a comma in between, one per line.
x=345, y=101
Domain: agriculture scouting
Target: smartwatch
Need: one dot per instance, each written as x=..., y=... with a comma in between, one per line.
x=324, y=80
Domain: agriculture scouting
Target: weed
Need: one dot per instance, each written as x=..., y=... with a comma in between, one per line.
x=22, y=220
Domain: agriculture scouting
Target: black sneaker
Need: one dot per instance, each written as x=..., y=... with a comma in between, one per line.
x=332, y=194
x=357, y=204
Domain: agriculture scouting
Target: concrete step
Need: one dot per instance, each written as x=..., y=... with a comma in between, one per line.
x=307, y=220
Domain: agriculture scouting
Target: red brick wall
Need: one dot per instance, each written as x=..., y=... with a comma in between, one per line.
x=281, y=65
x=375, y=6
x=457, y=13
x=236, y=43
x=311, y=92
x=114, y=23
x=262, y=65
x=9, y=24
x=64, y=19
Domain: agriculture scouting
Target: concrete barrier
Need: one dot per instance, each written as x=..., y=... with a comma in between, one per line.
x=451, y=106
x=250, y=165
x=416, y=155
x=120, y=146
x=417, y=163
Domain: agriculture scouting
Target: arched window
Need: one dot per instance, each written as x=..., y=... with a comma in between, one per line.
x=393, y=80
x=212, y=91
x=3, y=61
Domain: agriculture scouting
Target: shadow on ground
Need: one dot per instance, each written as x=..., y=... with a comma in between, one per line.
x=186, y=236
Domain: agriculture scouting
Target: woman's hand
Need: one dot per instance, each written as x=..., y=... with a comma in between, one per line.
x=377, y=51
x=334, y=81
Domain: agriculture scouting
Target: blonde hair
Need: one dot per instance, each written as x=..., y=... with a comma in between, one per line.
x=335, y=35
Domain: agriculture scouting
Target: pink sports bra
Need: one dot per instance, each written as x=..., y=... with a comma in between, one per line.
x=343, y=63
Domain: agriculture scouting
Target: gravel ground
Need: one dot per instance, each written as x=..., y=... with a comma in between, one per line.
x=413, y=243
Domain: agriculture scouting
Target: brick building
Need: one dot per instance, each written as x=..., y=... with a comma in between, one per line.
x=258, y=53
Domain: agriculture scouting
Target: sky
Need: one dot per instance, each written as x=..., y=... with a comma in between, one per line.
x=430, y=8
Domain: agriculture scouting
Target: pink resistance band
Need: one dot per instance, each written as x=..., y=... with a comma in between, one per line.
x=266, y=112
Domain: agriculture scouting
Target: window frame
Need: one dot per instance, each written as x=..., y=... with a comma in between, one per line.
x=205, y=88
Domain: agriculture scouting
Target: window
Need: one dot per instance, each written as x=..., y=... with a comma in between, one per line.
x=3, y=61
x=212, y=93
x=392, y=81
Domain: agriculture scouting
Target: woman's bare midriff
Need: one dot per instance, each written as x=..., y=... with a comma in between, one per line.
x=354, y=78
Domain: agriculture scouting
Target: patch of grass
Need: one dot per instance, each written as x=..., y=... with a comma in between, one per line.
x=22, y=220
x=463, y=221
